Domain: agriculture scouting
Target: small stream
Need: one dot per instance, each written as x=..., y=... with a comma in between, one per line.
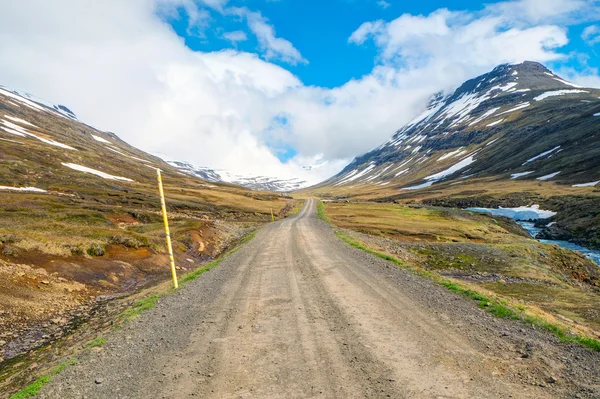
x=589, y=253
x=522, y=215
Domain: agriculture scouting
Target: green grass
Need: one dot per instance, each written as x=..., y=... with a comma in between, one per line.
x=351, y=241
x=563, y=334
x=321, y=212
x=34, y=388
x=497, y=307
x=99, y=341
x=139, y=307
x=200, y=271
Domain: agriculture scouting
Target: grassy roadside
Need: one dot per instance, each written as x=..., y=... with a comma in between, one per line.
x=148, y=303
x=129, y=315
x=498, y=306
x=321, y=212
x=32, y=389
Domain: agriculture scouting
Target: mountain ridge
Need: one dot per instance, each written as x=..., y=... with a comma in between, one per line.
x=465, y=121
x=260, y=183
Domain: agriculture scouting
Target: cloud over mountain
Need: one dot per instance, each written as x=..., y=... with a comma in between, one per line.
x=122, y=67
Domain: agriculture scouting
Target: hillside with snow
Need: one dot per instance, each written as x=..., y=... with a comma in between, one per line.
x=518, y=122
x=260, y=183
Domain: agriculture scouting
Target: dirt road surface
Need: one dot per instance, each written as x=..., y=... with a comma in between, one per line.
x=296, y=313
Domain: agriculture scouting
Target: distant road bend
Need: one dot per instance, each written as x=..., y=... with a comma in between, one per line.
x=296, y=313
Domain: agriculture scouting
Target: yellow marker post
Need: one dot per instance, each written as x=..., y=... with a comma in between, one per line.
x=167, y=233
x=272, y=216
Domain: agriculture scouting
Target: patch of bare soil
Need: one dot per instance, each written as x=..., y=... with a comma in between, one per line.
x=43, y=297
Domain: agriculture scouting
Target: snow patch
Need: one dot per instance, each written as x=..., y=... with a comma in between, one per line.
x=445, y=173
x=85, y=169
x=518, y=107
x=463, y=106
x=592, y=184
x=506, y=87
x=485, y=116
x=451, y=170
x=356, y=176
x=557, y=93
x=23, y=189
x=19, y=120
x=517, y=175
x=448, y=155
x=548, y=177
x=429, y=183
x=100, y=139
x=568, y=83
x=495, y=123
x=543, y=154
x=10, y=127
x=425, y=115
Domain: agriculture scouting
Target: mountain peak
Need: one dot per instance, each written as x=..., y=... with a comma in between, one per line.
x=524, y=67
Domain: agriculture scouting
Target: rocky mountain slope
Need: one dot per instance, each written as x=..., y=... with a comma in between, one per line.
x=261, y=183
x=517, y=135
x=80, y=219
x=516, y=122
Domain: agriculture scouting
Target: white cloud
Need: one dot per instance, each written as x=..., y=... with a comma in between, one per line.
x=586, y=76
x=235, y=36
x=456, y=38
x=119, y=66
x=367, y=29
x=274, y=48
x=591, y=35
x=383, y=4
x=546, y=11
x=198, y=17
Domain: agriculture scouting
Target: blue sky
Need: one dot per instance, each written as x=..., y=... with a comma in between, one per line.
x=320, y=31
x=267, y=87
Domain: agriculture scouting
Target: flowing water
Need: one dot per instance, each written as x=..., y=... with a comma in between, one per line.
x=529, y=213
x=589, y=253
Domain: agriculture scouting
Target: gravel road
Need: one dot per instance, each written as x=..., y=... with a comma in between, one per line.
x=296, y=313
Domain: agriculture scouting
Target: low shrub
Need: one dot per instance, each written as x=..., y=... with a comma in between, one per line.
x=95, y=250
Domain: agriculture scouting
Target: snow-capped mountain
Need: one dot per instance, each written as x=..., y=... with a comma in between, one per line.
x=261, y=183
x=517, y=122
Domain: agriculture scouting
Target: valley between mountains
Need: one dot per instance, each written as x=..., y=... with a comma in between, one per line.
x=378, y=282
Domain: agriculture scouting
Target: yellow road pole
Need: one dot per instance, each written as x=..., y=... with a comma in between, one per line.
x=167, y=233
x=272, y=216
